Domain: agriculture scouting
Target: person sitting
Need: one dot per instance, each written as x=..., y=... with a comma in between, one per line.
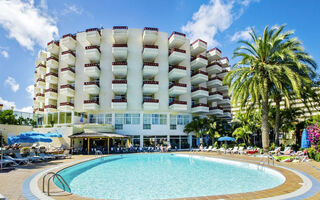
x=201, y=147
x=161, y=148
x=168, y=148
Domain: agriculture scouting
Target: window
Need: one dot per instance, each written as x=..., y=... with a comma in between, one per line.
x=155, y=119
x=173, y=127
x=108, y=119
x=135, y=118
x=186, y=119
x=146, y=126
x=146, y=119
x=173, y=119
x=118, y=126
x=128, y=119
x=100, y=119
x=119, y=119
x=179, y=120
x=163, y=119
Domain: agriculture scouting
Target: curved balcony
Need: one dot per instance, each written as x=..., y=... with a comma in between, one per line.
x=92, y=70
x=120, y=34
x=39, y=110
x=150, y=52
x=42, y=56
x=198, y=47
x=214, y=82
x=217, y=110
x=151, y=104
x=225, y=100
x=214, y=68
x=150, y=69
x=150, y=35
x=67, y=90
x=92, y=53
x=91, y=105
x=91, y=87
x=119, y=68
x=215, y=96
x=199, y=77
x=200, y=108
x=40, y=97
x=227, y=113
x=178, y=106
x=51, y=94
x=68, y=41
x=41, y=83
x=150, y=87
x=214, y=54
x=177, y=89
x=176, y=39
x=53, y=62
x=199, y=92
x=177, y=72
x=198, y=62
x=120, y=51
x=41, y=69
x=52, y=78
x=119, y=86
x=66, y=106
x=53, y=47
x=68, y=74
x=119, y=104
x=176, y=56
x=93, y=36
x=50, y=108
x=223, y=73
x=224, y=62
x=68, y=57
x=223, y=88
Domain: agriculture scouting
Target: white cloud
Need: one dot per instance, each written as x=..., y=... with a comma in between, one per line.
x=71, y=9
x=30, y=90
x=12, y=83
x=4, y=53
x=214, y=17
x=9, y=104
x=27, y=109
x=27, y=23
x=241, y=35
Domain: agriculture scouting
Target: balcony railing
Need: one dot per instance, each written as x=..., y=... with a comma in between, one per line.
x=178, y=85
x=214, y=93
x=119, y=45
x=199, y=72
x=67, y=104
x=213, y=50
x=216, y=107
x=150, y=64
x=177, y=67
x=226, y=97
x=41, y=65
x=93, y=29
x=119, y=82
x=176, y=50
x=151, y=82
x=91, y=101
x=69, y=35
x=150, y=46
x=150, y=100
x=120, y=27
x=92, y=65
x=50, y=106
x=52, y=74
x=67, y=86
x=67, y=52
x=150, y=29
x=50, y=90
x=55, y=42
x=39, y=95
x=198, y=40
x=40, y=79
x=214, y=63
x=199, y=88
x=120, y=63
x=93, y=47
x=119, y=100
x=177, y=33
x=199, y=56
x=67, y=69
x=200, y=104
x=215, y=78
x=92, y=83
x=178, y=102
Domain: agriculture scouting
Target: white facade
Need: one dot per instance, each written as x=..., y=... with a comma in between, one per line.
x=132, y=72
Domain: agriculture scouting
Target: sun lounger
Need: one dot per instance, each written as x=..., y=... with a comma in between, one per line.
x=214, y=149
x=46, y=157
x=241, y=150
x=17, y=160
x=235, y=150
x=30, y=158
x=287, y=151
x=209, y=149
x=6, y=162
x=229, y=150
x=221, y=150
x=275, y=151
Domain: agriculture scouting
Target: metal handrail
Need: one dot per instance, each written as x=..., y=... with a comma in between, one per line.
x=59, y=178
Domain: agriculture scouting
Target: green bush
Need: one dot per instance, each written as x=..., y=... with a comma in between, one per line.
x=242, y=145
x=272, y=146
x=311, y=153
x=317, y=157
x=25, y=150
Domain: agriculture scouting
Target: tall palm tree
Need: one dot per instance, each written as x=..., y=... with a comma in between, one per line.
x=271, y=60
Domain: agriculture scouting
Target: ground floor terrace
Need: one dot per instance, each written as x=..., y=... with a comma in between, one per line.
x=17, y=183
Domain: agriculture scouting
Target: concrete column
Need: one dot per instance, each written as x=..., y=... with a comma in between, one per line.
x=190, y=141
x=141, y=140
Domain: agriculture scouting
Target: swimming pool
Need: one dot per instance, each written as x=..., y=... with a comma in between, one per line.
x=162, y=176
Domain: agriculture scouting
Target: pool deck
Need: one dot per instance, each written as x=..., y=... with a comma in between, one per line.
x=13, y=183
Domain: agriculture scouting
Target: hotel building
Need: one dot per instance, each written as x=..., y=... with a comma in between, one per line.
x=143, y=83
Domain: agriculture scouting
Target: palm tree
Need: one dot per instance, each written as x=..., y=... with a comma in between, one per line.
x=194, y=126
x=243, y=133
x=271, y=60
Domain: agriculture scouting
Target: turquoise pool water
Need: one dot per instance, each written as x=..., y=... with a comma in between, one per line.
x=162, y=176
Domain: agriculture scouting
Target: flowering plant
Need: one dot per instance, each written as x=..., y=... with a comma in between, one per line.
x=314, y=134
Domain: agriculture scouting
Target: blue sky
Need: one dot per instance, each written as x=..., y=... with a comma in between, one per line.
x=26, y=26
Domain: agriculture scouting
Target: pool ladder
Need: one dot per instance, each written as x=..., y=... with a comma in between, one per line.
x=262, y=161
x=59, y=178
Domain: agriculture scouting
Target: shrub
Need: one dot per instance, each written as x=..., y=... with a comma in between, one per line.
x=272, y=146
x=311, y=153
x=242, y=145
x=25, y=150
x=314, y=134
x=317, y=157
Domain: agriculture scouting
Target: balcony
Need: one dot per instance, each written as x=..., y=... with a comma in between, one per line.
x=215, y=96
x=177, y=72
x=176, y=39
x=40, y=97
x=68, y=74
x=225, y=100
x=198, y=62
x=199, y=77
x=51, y=94
x=150, y=52
x=91, y=87
x=68, y=42
x=93, y=36
x=176, y=56
x=120, y=51
x=53, y=47
x=92, y=53
x=224, y=61
x=177, y=89
x=214, y=82
x=68, y=57
x=223, y=73
x=119, y=104
x=92, y=70
x=214, y=54
x=199, y=92
x=119, y=68
x=216, y=110
x=198, y=47
x=53, y=62
x=150, y=87
x=67, y=90
x=39, y=110
x=66, y=106
x=223, y=88
x=151, y=104
x=50, y=108
x=91, y=104
x=227, y=113
x=42, y=56
x=200, y=108
x=150, y=69
x=52, y=78
x=214, y=68
x=178, y=106
x=41, y=83
x=119, y=86
x=150, y=35
x=41, y=69
x=120, y=34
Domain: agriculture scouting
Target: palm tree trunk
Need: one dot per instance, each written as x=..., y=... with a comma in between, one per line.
x=264, y=117
x=277, y=122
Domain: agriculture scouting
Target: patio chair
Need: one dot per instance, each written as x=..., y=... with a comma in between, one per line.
x=221, y=150
x=6, y=162
x=214, y=149
x=30, y=158
x=241, y=150
x=208, y=149
x=235, y=150
x=275, y=151
x=46, y=156
x=17, y=160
